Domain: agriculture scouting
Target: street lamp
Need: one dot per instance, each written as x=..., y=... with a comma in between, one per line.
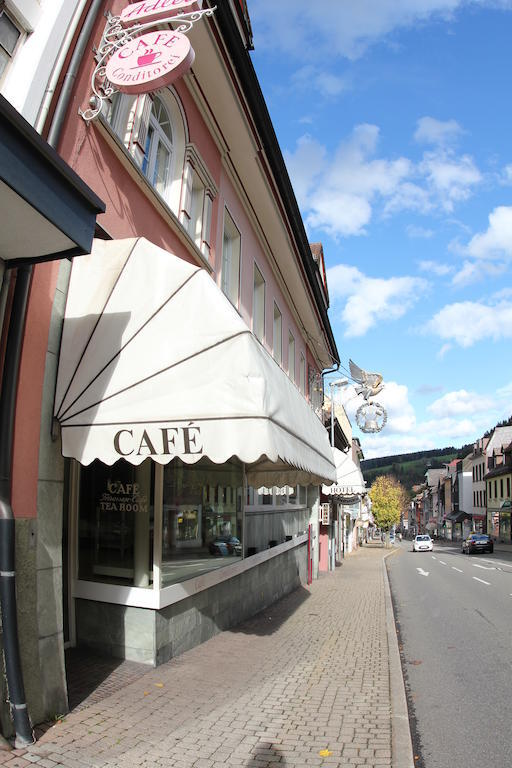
x=332, y=385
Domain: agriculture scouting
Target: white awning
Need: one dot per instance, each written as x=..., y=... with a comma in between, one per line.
x=156, y=362
x=349, y=479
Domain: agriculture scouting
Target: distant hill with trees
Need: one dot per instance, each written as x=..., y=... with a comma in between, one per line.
x=408, y=468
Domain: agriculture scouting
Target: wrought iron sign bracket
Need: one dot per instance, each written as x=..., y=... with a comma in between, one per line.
x=114, y=37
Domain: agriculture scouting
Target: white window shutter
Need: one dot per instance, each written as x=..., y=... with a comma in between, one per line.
x=141, y=120
x=186, y=194
x=207, y=225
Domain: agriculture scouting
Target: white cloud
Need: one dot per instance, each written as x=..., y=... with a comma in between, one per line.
x=505, y=177
x=449, y=178
x=443, y=351
x=472, y=271
x=496, y=241
x=460, y=403
x=436, y=268
x=468, y=322
x=343, y=28
x=458, y=417
x=336, y=193
x=370, y=300
x=432, y=131
x=325, y=83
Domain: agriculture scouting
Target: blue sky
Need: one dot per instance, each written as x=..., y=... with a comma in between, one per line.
x=395, y=120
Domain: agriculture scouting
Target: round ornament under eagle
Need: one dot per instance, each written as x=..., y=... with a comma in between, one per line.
x=371, y=417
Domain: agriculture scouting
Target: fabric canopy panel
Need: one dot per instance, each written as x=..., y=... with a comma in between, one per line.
x=156, y=362
x=349, y=479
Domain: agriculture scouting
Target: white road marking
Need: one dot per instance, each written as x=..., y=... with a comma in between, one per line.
x=482, y=581
x=497, y=562
x=456, y=569
x=434, y=557
x=442, y=562
x=422, y=572
x=484, y=567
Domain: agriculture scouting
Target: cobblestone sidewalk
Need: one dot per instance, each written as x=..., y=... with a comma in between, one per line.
x=305, y=683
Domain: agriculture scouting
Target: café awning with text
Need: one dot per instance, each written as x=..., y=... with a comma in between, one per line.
x=156, y=363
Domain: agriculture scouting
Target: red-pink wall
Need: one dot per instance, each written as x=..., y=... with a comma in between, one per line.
x=323, y=549
x=30, y=390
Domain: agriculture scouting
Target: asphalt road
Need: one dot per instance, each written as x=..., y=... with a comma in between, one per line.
x=455, y=635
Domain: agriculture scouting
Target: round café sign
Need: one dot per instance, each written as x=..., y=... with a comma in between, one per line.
x=150, y=61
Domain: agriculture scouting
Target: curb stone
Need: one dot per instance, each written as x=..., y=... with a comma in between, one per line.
x=401, y=741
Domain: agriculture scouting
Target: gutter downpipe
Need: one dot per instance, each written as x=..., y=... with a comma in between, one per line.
x=24, y=734
x=23, y=730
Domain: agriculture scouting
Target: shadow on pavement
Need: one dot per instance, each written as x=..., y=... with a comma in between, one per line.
x=269, y=620
x=262, y=750
x=91, y=677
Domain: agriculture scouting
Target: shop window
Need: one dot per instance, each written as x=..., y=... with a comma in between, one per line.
x=202, y=519
x=230, y=270
x=277, y=342
x=291, y=356
x=115, y=523
x=10, y=36
x=258, y=304
x=302, y=374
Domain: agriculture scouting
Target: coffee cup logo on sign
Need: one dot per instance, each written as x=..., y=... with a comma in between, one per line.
x=150, y=61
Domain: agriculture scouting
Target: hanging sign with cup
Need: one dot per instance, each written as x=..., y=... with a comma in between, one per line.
x=150, y=61
x=134, y=57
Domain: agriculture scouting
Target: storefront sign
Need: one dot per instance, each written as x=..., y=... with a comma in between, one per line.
x=153, y=10
x=159, y=441
x=123, y=497
x=150, y=61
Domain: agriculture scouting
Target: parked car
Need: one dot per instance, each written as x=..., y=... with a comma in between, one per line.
x=477, y=542
x=422, y=543
x=223, y=546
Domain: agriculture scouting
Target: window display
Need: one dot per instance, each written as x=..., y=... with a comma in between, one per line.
x=202, y=518
x=115, y=524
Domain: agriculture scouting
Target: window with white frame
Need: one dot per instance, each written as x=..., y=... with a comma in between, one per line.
x=258, y=304
x=158, y=149
x=302, y=374
x=230, y=269
x=10, y=36
x=277, y=349
x=152, y=129
x=198, y=193
x=291, y=356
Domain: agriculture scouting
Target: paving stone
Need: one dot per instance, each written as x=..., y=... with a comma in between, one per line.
x=310, y=673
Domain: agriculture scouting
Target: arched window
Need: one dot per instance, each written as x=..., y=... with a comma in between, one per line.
x=158, y=149
x=153, y=130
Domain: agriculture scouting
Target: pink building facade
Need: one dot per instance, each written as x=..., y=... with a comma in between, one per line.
x=143, y=559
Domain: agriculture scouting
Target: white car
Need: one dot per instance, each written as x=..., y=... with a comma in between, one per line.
x=422, y=543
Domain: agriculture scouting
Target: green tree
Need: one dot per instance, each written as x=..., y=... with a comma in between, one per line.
x=389, y=500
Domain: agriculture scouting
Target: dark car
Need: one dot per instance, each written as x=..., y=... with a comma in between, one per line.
x=477, y=542
x=223, y=546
